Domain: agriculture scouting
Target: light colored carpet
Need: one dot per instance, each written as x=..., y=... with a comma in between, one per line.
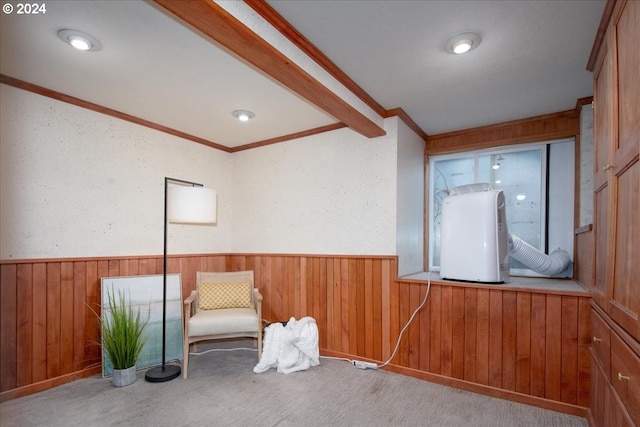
x=222, y=390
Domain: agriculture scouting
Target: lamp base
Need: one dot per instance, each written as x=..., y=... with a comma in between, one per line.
x=161, y=374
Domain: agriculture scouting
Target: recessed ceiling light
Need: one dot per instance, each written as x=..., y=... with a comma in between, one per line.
x=462, y=43
x=243, y=115
x=80, y=40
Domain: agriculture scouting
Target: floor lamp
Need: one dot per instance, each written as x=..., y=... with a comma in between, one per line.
x=185, y=203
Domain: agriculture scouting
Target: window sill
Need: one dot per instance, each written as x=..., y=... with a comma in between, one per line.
x=516, y=283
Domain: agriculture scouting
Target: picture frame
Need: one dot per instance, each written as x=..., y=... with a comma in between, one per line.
x=145, y=293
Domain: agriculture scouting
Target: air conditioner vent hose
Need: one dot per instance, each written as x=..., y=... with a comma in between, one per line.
x=554, y=263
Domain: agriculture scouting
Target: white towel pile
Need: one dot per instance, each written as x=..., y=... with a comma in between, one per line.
x=290, y=348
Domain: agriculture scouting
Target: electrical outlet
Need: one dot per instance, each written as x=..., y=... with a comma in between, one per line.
x=364, y=365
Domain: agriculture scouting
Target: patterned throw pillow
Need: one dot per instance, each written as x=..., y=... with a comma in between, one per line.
x=212, y=296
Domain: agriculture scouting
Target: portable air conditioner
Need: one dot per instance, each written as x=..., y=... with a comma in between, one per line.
x=474, y=238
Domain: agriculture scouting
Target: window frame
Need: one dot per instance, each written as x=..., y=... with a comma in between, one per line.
x=543, y=146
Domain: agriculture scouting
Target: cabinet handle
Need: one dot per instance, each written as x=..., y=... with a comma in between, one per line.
x=607, y=167
x=595, y=339
x=623, y=377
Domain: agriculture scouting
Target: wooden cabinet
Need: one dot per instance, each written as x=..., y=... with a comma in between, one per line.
x=615, y=383
x=606, y=407
x=617, y=168
x=624, y=175
x=625, y=366
x=615, y=398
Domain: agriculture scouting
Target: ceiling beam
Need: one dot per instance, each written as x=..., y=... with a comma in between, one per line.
x=219, y=25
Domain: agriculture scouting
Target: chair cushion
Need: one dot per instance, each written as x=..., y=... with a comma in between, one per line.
x=223, y=321
x=212, y=296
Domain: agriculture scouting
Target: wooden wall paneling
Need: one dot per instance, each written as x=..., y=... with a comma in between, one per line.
x=376, y=324
x=143, y=266
x=335, y=342
x=403, y=309
x=495, y=338
x=446, y=355
x=538, y=344
x=387, y=271
x=482, y=336
x=123, y=267
x=188, y=267
x=344, y=304
x=262, y=265
x=457, y=333
x=540, y=128
x=79, y=313
x=331, y=320
x=368, y=308
x=39, y=369
x=352, y=297
x=289, y=277
x=280, y=295
x=8, y=327
x=297, y=290
x=114, y=267
x=53, y=319
x=92, y=334
x=553, y=357
x=415, y=328
x=133, y=267
x=435, y=329
x=569, y=364
x=24, y=337
x=523, y=342
x=509, y=340
x=470, y=337
x=323, y=301
x=312, y=284
x=66, y=317
x=424, y=339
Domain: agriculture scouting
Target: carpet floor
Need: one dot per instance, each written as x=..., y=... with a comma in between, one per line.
x=222, y=390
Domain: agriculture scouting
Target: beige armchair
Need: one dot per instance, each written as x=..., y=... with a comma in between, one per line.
x=223, y=306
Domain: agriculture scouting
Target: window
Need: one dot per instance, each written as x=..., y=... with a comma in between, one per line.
x=534, y=180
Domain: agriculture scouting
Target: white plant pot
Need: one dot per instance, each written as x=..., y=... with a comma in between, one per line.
x=124, y=377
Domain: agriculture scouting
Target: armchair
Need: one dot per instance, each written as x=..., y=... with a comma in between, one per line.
x=223, y=306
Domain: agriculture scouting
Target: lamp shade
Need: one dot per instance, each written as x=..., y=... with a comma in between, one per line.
x=191, y=205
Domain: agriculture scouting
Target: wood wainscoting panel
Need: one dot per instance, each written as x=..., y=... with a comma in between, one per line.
x=528, y=342
x=521, y=344
x=49, y=333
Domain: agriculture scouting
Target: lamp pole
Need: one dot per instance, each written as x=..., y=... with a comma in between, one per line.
x=166, y=372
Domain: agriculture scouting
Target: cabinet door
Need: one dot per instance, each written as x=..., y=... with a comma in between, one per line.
x=603, y=97
x=625, y=367
x=600, y=340
x=624, y=177
x=606, y=408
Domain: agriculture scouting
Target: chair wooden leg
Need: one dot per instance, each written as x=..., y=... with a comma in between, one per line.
x=185, y=370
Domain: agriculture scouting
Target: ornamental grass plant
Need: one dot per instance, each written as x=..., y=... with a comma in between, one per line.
x=122, y=332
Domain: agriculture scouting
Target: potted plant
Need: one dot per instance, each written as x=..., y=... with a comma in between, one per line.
x=122, y=337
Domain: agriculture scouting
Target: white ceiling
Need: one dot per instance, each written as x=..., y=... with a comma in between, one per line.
x=532, y=60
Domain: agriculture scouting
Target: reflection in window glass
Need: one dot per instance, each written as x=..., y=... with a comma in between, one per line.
x=518, y=172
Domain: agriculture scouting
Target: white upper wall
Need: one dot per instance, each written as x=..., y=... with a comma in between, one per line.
x=331, y=193
x=410, y=206
x=76, y=183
